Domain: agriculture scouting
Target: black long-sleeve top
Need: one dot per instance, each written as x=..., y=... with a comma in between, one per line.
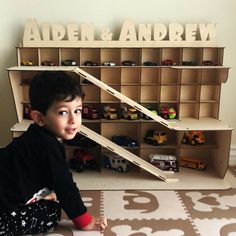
x=34, y=161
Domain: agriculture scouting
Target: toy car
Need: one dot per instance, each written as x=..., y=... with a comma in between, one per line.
x=128, y=63
x=90, y=63
x=109, y=113
x=149, y=63
x=82, y=160
x=123, y=140
x=69, y=62
x=164, y=162
x=108, y=63
x=155, y=137
x=193, y=137
x=115, y=162
x=189, y=63
x=168, y=62
x=208, y=63
x=90, y=112
x=168, y=113
x=27, y=63
x=129, y=113
x=47, y=63
x=192, y=163
x=153, y=110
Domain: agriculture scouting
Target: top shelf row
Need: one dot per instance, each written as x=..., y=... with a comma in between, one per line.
x=120, y=56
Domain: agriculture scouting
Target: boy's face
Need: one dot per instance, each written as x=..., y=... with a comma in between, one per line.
x=64, y=118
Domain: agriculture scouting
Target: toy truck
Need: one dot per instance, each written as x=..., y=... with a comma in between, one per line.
x=115, y=162
x=193, y=137
x=192, y=163
x=109, y=113
x=82, y=160
x=155, y=137
x=164, y=162
x=129, y=113
x=90, y=112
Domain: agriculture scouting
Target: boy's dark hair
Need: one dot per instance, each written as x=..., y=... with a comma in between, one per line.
x=50, y=86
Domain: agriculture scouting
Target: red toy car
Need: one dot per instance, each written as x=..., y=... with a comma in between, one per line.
x=82, y=160
x=90, y=112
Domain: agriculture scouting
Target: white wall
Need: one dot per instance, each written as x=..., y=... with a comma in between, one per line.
x=112, y=13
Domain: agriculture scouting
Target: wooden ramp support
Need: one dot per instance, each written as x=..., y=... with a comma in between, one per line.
x=126, y=154
x=122, y=97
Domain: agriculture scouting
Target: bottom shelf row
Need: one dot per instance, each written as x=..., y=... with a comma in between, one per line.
x=96, y=158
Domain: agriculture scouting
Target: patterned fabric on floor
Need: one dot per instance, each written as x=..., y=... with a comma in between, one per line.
x=160, y=213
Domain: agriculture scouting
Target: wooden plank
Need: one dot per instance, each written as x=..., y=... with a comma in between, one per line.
x=122, y=97
x=125, y=153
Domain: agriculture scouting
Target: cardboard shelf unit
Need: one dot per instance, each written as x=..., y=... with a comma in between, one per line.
x=193, y=91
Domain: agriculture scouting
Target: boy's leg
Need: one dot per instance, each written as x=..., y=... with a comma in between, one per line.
x=33, y=218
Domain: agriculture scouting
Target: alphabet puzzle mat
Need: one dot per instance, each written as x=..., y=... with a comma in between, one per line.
x=160, y=213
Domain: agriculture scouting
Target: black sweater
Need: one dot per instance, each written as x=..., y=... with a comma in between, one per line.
x=34, y=161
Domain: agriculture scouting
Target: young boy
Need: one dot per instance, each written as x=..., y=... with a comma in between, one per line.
x=36, y=162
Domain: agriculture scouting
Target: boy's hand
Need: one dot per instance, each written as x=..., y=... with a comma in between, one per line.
x=97, y=223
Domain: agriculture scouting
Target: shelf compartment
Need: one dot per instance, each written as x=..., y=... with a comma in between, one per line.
x=145, y=152
x=150, y=94
x=210, y=93
x=110, y=76
x=92, y=94
x=171, y=135
x=132, y=92
x=50, y=54
x=169, y=93
x=213, y=54
x=131, y=54
x=214, y=76
x=190, y=76
x=172, y=54
x=170, y=76
x=209, y=110
x=190, y=110
x=130, y=129
x=110, y=54
x=89, y=54
x=189, y=93
x=205, y=155
x=107, y=97
x=70, y=54
x=27, y=54
x=94, y=71
x=151, y=55
x=150, y=76
x=193, y=55
x=130, y=76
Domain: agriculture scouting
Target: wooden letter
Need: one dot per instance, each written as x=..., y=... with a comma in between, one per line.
x=175, y=32
x=128, y=31
x=190, y=32
x=31, y=32
x=45, y=31
x=58, y=32
x=160, y=32
x=72, y=32
x=87, y=32
x=145, y=32
x=207, y=32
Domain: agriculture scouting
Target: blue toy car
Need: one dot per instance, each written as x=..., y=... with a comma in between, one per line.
x=123, y=140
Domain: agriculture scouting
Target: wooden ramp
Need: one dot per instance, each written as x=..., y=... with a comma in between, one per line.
x=112, y=146
x=122, y=97
x=126, y=154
